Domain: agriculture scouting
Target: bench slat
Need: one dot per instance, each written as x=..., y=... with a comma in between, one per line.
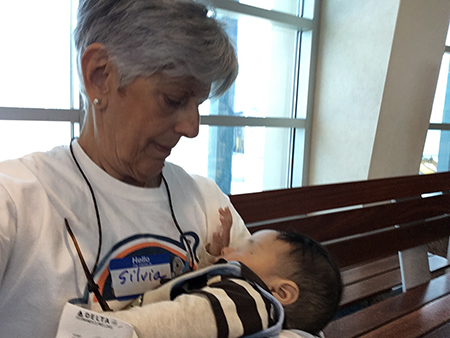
x=417, y=323
x=365, y=281
x=346, y=223
x=288, y=202
x=441, y=332
x=365, y=248
x=357, y=274
x=370, y=287
x=388, y=310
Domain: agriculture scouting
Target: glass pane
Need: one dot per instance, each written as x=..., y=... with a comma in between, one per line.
x=19, y=138
x=35, y=61
x=239, y=159
x=441, y=104
x=264, y=87
x=285, y=6
x=436, y=153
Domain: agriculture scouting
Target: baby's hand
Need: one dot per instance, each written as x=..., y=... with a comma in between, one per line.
x=221, y=238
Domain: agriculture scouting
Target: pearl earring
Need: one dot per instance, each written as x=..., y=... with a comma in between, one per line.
x=96, y=101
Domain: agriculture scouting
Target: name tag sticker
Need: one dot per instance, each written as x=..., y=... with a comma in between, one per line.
x=132, y=276
x=77, y=322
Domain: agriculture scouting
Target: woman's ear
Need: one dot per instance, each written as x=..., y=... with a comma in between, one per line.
x=285, y=290
x=96, y=68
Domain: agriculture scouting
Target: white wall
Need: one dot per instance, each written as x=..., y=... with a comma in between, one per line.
x=413, y=70
x=377, y=70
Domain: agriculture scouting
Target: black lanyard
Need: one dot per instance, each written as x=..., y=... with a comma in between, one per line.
x=92, y=286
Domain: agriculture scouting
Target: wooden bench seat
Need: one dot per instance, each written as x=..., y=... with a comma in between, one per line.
x=410, y=314
x=378, y=231
x=441, y=332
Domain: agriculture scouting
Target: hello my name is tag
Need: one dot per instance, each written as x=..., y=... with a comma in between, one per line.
x=132, y=276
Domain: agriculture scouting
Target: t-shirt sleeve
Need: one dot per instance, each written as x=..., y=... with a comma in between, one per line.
x=7, y=229
x=214, y=199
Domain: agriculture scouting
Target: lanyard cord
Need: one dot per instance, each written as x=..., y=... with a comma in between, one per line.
x=97, y=214
x=93, y=287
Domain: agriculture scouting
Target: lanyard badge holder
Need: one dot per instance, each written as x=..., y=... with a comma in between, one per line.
x=82, y=323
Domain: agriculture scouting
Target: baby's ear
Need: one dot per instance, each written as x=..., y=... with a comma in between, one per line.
x=285, y=290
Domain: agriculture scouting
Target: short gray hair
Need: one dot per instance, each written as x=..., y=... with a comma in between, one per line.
x=142, y=37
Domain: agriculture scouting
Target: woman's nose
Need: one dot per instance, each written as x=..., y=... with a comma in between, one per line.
x=189, y=121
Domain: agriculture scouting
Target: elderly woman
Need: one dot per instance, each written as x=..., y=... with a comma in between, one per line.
x=102, y=221
x=145, y=67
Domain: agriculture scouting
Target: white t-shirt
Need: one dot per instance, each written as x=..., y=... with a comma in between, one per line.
x=39, y=267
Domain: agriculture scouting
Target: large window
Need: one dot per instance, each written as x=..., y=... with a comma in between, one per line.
x=39, y=99
x=436, y=154
x=255, y=137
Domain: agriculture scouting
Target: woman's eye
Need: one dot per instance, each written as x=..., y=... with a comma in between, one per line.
x=174, y=102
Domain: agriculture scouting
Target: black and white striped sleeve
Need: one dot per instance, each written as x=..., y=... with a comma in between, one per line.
x=239, y=309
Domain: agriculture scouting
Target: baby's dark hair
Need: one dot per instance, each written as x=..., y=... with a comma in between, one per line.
x=317, y=275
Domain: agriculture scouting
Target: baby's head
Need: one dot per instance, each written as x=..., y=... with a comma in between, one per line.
x=299, y=272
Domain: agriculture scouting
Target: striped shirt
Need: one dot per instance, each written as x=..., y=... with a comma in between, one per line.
x=240, y=306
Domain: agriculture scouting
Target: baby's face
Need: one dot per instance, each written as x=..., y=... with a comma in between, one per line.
x=262, y=253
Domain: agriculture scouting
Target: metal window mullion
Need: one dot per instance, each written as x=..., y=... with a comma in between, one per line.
x=240, y=121
x=296, y=86
x=310, y=98
x=289, y=20
x=35, y=114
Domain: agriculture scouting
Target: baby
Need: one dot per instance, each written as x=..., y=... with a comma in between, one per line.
x=278, y=280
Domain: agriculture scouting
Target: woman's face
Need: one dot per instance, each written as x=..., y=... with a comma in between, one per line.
x=142, y=122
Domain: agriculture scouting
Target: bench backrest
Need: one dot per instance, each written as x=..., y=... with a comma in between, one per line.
x=357, y=221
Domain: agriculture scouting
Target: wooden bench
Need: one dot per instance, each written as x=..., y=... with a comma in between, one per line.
x=378, y=232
